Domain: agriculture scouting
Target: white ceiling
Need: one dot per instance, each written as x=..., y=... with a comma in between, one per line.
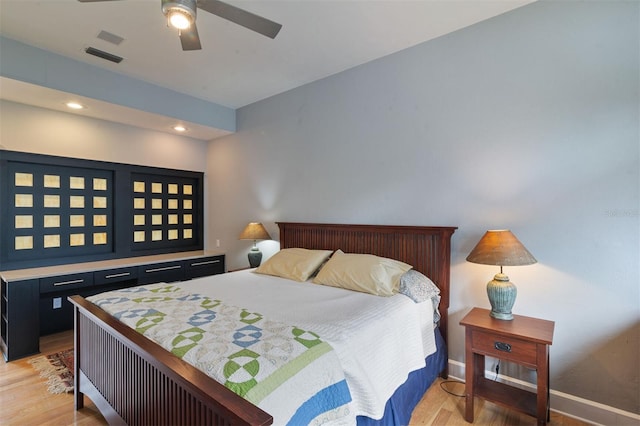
x=236, y=66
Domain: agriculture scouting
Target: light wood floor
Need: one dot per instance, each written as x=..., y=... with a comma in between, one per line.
x=439, y=408
x=24, y=400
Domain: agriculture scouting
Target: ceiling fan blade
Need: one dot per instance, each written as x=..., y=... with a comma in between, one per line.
x=241, y=17
x=190, y=39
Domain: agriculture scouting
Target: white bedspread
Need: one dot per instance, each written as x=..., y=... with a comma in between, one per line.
x=379, y=340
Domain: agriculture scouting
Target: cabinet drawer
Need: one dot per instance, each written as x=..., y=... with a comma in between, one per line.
x=160, y=272
x=66, y=282
x=115, y=275
x=504, y=347
x=204, y=266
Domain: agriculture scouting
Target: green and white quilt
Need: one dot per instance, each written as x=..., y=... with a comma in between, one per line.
x=289, y=372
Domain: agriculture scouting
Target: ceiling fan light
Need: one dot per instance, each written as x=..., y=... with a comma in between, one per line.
x=179, y=20
x=181, y=14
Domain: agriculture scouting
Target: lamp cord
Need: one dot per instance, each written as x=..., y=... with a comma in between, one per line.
x=448, y=391
x=455, y=381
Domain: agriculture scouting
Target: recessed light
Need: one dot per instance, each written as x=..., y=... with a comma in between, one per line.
x=179, y=128
x=75, y=105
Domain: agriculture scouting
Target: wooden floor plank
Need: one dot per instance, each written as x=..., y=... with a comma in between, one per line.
x=24, y=400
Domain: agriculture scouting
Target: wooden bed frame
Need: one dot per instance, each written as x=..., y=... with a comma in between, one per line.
x=132, y=380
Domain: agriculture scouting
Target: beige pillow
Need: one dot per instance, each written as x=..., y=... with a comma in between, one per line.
x=294, y=263
x=362, y=272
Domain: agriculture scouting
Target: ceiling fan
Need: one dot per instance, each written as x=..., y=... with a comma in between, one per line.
x=181, y=14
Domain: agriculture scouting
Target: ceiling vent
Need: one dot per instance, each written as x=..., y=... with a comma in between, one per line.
x=104, y=55
x=110, y=37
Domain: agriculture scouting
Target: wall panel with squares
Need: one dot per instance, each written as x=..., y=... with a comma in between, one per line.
x=163, y=210
x=57, y=210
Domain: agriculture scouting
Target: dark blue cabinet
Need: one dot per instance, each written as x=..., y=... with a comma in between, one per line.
x=32, y=307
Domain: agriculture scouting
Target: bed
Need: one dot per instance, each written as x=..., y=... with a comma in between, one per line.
x=133, y=380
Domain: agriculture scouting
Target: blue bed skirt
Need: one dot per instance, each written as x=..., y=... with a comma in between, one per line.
x=399, y=407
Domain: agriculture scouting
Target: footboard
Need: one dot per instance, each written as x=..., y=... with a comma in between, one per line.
x=132, y=380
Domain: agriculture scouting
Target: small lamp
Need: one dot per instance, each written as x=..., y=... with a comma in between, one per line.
x=501, y=248
x=255, y=231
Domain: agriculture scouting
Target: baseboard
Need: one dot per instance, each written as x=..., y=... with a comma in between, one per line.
x=563, y=403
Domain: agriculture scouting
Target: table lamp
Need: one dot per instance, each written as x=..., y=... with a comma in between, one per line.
x=501, y=248
x=255, y=231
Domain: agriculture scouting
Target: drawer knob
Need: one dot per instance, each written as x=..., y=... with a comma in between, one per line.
x=501, y=346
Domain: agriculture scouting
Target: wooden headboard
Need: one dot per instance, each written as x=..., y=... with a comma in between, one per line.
x=426, y=248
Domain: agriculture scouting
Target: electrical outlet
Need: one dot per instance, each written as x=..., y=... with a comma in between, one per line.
x=217, y=243
x=57, y=302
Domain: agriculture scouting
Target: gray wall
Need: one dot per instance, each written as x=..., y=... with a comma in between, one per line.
x=42, y=131
x=528, y=121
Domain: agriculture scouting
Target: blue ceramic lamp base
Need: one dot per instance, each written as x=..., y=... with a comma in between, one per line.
x=502, y=296
x=255, y=257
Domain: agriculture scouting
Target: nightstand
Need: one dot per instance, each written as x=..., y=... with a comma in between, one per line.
x=524, y=341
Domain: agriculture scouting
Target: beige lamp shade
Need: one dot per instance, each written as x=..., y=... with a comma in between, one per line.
x=254, y=231
x=501, y=248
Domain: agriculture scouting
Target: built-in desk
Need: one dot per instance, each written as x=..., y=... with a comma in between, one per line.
x=33, y=302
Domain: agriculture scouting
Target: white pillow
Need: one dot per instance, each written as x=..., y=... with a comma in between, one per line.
x=362, y=272
x=419, y=288
x=294, y=263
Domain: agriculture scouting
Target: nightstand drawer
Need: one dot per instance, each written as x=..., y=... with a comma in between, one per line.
x=504, y=347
